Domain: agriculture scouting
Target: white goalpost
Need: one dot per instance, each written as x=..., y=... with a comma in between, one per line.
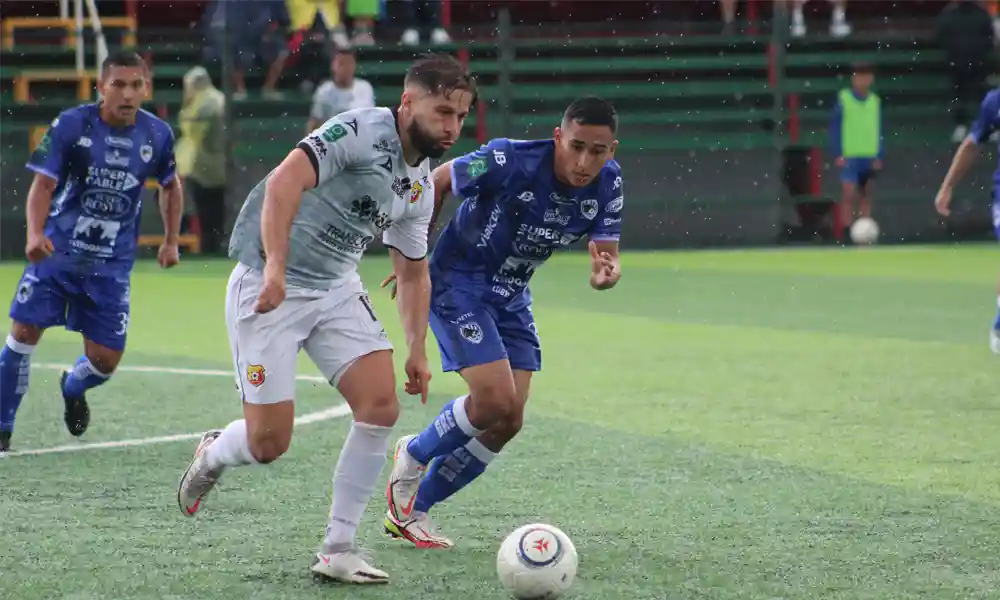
x=95, y=25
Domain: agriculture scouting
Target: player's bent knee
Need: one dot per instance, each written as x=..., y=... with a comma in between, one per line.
x=269, y=429
x=369, y=386
x=492, y=403
x=379, y=409
x=103, y=358
x=25, y=334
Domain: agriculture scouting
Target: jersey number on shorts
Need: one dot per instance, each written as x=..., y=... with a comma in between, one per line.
x=124, y=323
x=368, y=306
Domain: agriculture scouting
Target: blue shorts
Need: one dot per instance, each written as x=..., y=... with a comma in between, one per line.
x=95, y=305
x=471, y=332
x=858, y=171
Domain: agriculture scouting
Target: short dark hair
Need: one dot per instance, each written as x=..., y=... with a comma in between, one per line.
x=863, y=68
x=349, y=50
x=592, y=111
x=122, y=58
x=441, y=74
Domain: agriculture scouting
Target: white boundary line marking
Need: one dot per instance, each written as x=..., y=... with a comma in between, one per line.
x=169, y=370
x=314, y=417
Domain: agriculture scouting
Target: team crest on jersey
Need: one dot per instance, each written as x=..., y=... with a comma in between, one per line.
x=146, y=153
x=416, y=191
x=471, y=331
x=476, y=167
x=589, y=208
x=255, y=375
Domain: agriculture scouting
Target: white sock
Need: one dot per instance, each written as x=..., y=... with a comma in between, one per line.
x=354, y=480
x=839, y=16
x=231, y=448
x=797, y=18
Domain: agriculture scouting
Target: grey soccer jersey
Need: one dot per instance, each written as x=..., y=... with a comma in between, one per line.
x=365, y=188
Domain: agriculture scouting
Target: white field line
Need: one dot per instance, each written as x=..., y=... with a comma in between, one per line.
x=313, y=417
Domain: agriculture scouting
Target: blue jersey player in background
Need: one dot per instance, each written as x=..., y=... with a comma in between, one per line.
x=982, y=130
x=83, y=215
x=521, y=201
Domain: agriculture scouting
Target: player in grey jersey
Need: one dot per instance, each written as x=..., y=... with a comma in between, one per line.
x=298, y=241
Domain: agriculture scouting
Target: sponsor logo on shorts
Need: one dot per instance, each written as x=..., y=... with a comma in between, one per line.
x=255, y=375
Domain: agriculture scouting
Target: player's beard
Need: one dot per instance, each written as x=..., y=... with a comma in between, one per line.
x=425, y=143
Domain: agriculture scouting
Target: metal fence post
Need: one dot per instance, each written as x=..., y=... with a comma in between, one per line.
x=777, y=46
x=505, y=43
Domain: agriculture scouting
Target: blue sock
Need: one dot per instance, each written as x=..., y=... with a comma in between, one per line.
x=82, y=377
x=15, y=367
x=449, y=431
x=996, y=321
x=448, y=474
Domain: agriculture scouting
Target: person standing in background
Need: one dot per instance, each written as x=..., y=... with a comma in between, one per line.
x=839, y=27
x=201, y=154
x=423, y=18
x=343, y=92
x=965, y=33
x=858, y=143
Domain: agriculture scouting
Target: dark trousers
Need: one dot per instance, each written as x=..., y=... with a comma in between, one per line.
x=210, y=204
x=968, y=86
x=425, y=14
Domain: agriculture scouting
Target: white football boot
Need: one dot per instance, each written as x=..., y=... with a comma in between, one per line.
x=198, y=480
x=419, y=530
x=349, y=566
x=404, y=480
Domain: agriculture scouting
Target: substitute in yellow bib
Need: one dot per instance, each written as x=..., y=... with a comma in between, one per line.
x=201, y=154
x=857, y=142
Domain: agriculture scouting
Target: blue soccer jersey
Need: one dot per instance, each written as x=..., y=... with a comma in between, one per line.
x=986, y=124
x=100, y=173
x=514, y=215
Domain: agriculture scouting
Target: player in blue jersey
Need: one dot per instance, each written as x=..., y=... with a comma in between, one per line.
x=521, y=201
x=983, y=129
x=83, y=227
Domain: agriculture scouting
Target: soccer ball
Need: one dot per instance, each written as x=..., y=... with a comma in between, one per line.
x=864, y=231
x=536, y=561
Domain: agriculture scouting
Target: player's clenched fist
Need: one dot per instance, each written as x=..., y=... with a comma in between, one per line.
x=273, y=292
x=168, y=256
x=39, y=247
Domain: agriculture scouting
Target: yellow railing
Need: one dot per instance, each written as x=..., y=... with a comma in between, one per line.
x=69, y=26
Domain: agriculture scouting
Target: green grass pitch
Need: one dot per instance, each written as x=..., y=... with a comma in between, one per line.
x=751, y=425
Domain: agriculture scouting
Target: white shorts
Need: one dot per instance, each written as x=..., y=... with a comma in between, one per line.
x=335, y=327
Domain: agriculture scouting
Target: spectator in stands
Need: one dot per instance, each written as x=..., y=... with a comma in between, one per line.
x=201, y=155
x=362, y=14
x=343, y=92
x=254, y=29
x=839, y=27
x=426, y=15
x=317, y=20
x=728, y=10
x=857, y=142
x=965, y=32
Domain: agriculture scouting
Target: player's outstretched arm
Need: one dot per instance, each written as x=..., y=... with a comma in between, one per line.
x=413, y=286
